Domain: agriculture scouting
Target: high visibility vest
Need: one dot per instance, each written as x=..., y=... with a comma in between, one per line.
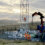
x=27, y=36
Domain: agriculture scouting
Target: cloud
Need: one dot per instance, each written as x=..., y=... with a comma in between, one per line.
x=11, y=2
x=9, y=16
x=4, y=4
x=39, y=4
x=9, y=9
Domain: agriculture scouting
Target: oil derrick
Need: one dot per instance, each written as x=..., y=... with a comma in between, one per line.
x=24, y=13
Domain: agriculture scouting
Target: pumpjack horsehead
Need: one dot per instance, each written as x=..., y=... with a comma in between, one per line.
x=41, y=17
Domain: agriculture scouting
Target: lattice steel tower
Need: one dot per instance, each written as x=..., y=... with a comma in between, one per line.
x=24, y=13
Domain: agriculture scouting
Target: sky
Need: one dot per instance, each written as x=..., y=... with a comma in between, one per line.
x=10, y=9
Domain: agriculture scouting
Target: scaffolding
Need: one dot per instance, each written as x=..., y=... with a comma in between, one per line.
x=24, y=13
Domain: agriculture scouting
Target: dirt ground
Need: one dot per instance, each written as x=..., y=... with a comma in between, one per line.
x=26, y=43
x=12, y=42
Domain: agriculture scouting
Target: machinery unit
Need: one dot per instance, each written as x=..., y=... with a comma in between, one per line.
x=40, y=27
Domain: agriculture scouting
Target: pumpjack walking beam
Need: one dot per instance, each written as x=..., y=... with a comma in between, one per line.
x=41, y=17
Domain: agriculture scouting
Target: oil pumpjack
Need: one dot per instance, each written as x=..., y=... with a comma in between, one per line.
x=41, y=27
x=41, y=17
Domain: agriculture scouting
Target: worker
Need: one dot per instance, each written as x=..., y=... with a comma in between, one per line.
x=27, y=36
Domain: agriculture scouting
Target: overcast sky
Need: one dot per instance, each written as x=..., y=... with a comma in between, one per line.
x=10, y=9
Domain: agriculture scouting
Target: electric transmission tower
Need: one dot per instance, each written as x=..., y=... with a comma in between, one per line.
x=24, y=13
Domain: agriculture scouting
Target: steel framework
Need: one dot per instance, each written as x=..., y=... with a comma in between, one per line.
x=24, y=12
